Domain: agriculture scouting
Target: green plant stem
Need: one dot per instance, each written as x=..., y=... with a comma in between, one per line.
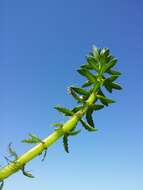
x=15, y=166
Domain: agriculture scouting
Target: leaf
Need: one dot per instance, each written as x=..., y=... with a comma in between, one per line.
x=87, y=66
x=95, y=52
x=45, y=154
x=33, y=139
x=97, y=107
x=26, y=173
x=87, y=126
x=109, y=65
x=12, y=151
x=87, y=74
x=89, y=116
x=76, y=109
x=79, y=99
x=102, y=94
x=105, y=100
x=73, y=133
x=57, y=124
x=64, y=111
x=112, y=78
x=112, y=72
x=105, y=52
x=87, y=83
x=109, y=85
x=116, y=86
x=1, y=185
x=80, y=91
x=65, y=143
x=93, y=63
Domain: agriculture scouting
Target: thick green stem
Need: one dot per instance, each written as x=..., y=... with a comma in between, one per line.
x=35, y=151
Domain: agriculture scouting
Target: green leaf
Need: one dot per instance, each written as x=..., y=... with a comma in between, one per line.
x=33, y=139
x=93, y=63
x=64, y=111
x=73, y=133
x=109, y=65
x=109, y=85
x=79, y=99
x=76, y=109
x=87, y=66
x=87, y=126
x=105, y=100
x=112, y=78
x=26, y=173
x=12, y=151
x=89, y=116
x=87, y=74
x=80, y=91
x=105, y=52
x=102, y=94
x=112, y=72
x=116, y=86
x=95, y=52
x=1, y=185
x=57, y=124
x=65, y=143
x=96, y=107
x=87, y=83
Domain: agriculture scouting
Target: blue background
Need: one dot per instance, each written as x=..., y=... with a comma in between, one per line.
x=42, y=43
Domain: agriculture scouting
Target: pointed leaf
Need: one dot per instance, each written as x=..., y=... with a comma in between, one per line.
x=87, y=126
x=45, y=154
x=112, y=72
x=87, y=83
x=87, y=66
x=93, y=63
x=105, y=100
x=33, y=139
x=109, y=65
x=79, y=99
x=95, y=52
x=57, y=124
x=97, y=107
x=116, y=86
x=64, y=111
x=108, y=86
x=12, y=151
x=26, y=173
x=73, y=133
x=87, y=74
x=89, y=116
x=102, y=94
x=80, y=91
x=76, y=109
x=112, y=78
x=65, y=143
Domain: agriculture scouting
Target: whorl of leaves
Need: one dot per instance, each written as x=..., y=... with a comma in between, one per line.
x=34, y=139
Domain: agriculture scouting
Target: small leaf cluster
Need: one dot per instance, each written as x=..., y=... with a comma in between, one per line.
x=99, y=73
x=34, y=139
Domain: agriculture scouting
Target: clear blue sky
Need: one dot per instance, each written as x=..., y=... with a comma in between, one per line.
x=42, y=43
